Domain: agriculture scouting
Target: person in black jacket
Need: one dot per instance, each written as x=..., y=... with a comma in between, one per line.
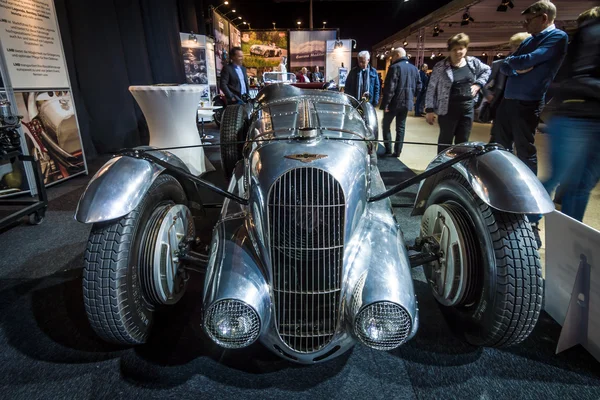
x=574, y=128
x=402, y=83
x=234, y=78
x=419, y=107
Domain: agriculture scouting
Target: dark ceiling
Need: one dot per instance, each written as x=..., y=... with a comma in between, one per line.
x=367, y=21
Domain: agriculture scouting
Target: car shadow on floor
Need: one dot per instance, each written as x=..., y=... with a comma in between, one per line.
x=44, y=319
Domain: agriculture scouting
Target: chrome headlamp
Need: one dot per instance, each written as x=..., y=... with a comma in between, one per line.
x=232, y=324
x=383, y=325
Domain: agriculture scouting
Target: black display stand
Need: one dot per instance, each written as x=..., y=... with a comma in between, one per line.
x=36, y=209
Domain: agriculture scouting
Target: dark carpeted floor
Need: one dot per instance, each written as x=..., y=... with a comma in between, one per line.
x=48, y=350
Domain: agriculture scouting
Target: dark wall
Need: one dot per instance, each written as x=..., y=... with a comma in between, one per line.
x=113, y=44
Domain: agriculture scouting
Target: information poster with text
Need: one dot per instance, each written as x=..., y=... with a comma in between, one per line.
x=31, y=43
x=308, y=48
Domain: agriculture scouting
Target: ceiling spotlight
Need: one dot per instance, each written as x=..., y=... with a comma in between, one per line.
x=437, y=30
x=324, y=24
x=483, y=54
x=381, y=57
x=405, y=43
x=466, y=18
x=193, y=37
x=503, y=7
x=440, y=54
x=273, y=25
x=432, y=56
x=299, y=23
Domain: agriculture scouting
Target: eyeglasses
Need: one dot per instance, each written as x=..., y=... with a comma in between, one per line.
x=528, y=20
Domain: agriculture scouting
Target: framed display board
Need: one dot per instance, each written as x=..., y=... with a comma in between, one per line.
x=36, y=82
x=221, y=33
x=338, y=61
x=199, y=62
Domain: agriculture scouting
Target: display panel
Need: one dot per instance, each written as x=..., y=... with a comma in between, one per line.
x=221, y=30
x=263, y=51
x=339, y=60
x=308, y=48
x=51, y=132
x=31, y=43
x=235, y=36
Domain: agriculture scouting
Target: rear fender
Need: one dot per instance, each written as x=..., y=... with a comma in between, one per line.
x=498, y=177
x=119, y=186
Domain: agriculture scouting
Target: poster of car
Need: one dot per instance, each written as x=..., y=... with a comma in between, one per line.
x=221, y=30
x=308, y=48
x=235, y=36
x=263, y=51
x=51, y=133
x=194, y=62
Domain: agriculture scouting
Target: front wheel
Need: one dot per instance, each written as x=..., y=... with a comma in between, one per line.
x=131, y=265
x=488, y=281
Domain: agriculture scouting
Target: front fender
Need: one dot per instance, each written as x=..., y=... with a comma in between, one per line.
x=119, y=186
x=498, y=177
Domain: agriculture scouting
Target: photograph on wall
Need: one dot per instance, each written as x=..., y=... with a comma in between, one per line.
x=343, y=74
x=235, y=36
x=50, y=128
x=194, y=61
x=263, y=51
x=221, y=30
x=308, y=48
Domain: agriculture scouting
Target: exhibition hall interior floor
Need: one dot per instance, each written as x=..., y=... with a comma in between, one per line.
x=48, y=350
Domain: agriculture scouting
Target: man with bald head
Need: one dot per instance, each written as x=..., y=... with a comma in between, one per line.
x=402, y=83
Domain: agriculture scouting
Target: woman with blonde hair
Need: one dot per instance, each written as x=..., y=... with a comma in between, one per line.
x=453, y=87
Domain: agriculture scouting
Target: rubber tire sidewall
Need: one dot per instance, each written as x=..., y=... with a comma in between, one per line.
x=164, y=189
x=474, y=322
x=233, y=128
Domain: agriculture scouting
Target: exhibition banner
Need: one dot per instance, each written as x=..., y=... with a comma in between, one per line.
x=338, y=62
x=235, y=36
x=37, y=85
x=308, y=48
x=31, y=45
x=263, y=51
x=221, y=30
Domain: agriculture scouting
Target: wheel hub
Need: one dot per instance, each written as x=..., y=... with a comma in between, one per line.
x=450, y=277
x=165, y=240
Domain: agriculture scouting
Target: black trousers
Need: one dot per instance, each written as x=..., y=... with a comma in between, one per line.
x=515, y=125
x=455, y=126
x=388, y=117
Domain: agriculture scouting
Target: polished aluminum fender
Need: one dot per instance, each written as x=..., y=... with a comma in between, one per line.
x=498, y=177
x=377, y=263
x=371, y=120
x=119, y=186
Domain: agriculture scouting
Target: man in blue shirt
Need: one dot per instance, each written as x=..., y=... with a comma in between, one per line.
x=530, y=70
x=234, y=79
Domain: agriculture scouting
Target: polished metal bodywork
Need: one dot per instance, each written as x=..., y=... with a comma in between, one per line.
x=498, y=177
x=119, y=186
x=295, y=135
x=374, y=264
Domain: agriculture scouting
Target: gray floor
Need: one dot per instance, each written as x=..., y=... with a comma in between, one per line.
x=48, y=350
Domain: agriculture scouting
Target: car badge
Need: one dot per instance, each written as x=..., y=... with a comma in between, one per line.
x=306, y=158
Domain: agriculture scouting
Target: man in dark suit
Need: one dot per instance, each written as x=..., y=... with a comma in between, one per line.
x=234, y=79
x=402, y=84
x=357, y=83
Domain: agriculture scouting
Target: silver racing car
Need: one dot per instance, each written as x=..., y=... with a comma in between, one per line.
x=307, y=257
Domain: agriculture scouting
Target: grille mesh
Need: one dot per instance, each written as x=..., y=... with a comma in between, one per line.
x=392, y=320
x=306, y=214
x=242, y=316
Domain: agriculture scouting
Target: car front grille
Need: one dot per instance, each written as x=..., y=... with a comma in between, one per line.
x=306, y=214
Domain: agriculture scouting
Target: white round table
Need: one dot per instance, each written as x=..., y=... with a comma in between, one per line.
x=171, y=115
x=206, y=113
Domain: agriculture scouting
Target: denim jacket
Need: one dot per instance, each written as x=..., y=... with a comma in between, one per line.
x=442, y=77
